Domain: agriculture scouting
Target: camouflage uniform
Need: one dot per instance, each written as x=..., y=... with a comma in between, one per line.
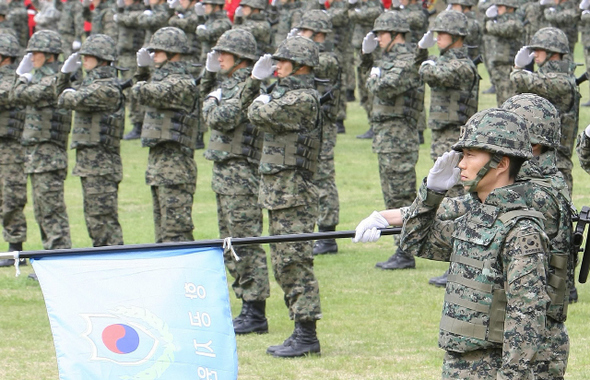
x=583, y=150
x=13, y=180
x=71, y=23
x=289, y=15
x=6, y=25
x=545, y=191
x=556, y=82
x=363, y=15
x=474, y=38
x=17, y=14
x=45, y=137
x=533, y=18
x=236, y=179
x=153, y=19
x=565, y=16
x=47, y=17
x=494, y=311
x=169, y=130
x=584, y=28
x=507, y=31
x=130, y=40
x=187, y=20
x=292, y=118
x=102, y=20
x=257, y=24
x=98, y=127
x=215, y=25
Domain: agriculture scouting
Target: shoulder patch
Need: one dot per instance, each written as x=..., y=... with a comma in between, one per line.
x=551, y=75
x=531, y=244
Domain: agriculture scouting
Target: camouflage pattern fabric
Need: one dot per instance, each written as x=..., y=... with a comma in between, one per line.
x=134, y=108
x=159, y=17
x=514, y=250
x=555, y=81
x=414, y=14
x=584, y=28
x=289, y=16
x=101, y=209
x=583, y=150
x=102, y=20
x=13, y=191
x=341, y=40
x=217, y=23
x=533, y=18
x=50, y=209
x=173, y=205
x=188, y=24
x=71, y=23
x=17, y=14
x=47, y=17
x=474, y=38
x=131, y=36
x=257, y=24
x=565, y=17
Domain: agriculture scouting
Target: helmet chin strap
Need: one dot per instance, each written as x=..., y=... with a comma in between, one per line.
x=454, y=39
x=237, y=61
x=491, y=164
x=549, y=55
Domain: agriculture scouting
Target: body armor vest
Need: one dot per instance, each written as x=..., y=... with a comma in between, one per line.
x=12, y=123
x=244, y=141
x=165, y=125
x=47, y=124
x=92, y=129
x=476, y=274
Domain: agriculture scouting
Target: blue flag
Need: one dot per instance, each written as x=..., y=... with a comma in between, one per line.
x=135, y=315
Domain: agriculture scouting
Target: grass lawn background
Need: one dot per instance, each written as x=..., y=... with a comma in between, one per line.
x=376, y=324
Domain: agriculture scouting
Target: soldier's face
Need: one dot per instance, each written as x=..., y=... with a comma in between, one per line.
x=471, y=163
x=457, y=7
x=305, y=33
x=247, y=10
x=226, y=61
x=540, y=56
x=208, y=9
x=405, y=3
x=160, y=57
x=284, y=68
x=96, y=3
x=38, y=59
x=185, y=4
x=89, y=62
x=384, y=39
x=443, y=40
x=129, y=3
x=501, y=9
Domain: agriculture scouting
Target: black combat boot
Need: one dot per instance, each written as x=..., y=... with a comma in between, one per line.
x=306, y=342
x=491, y=90
x=340, y=127
x=243, y=312
x=325, y=245
x=287, y=343
x=200, y=143
x=367, y=135
x=399, y=260
x=573, y=295
x=12, y=247
x=135, y=133
x=440, y=281
x=350, y=96
x=254, y=320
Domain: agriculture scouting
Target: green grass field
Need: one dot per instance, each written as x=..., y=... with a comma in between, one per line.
x=376, y=324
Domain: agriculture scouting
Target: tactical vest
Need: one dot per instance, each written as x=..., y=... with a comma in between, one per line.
x=92, y=129
x=245, y=141
x=164, y=125
x=476, y=274
x=409, y=104
x=12, y=123
x=460, y=103
x=47, y=124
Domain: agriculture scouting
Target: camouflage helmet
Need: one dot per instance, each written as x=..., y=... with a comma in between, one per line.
x=170, y=40
x=300, y=50
x=9, y=46
x=3, y=8
x=550, y=39
x=214, y=2
x=451, y=22
x=256, y=4
x=391, y=22
x=507, y=3
x=100, y=46
x=315, y=20
x=465, y=3
x=542, y=118
x=238, y=42
x=497, y=131
x=45, y=41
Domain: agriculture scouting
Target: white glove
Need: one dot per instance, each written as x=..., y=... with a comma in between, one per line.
x=148, y=12
x=585, y=12
x=547, y=2
x=120, y=3
x=201, y=27
x=585, y=4
x=263, y=98
x=370, y=43
x=27, y=77
x=76, y=45
x=86, y=3
x=427, y=40
x=173, y=4
x=212, y=63
x=36, y=18
x=263, y=68
x=445, y=173
x=375, y=71
x=352, y=1
x=481, y=2
x=215, y=94
x=428, y=62
x=180, y=15
x=293, y=32
x=395, y=4
x=587, y=131
x=321, y=2
x=144, y=58
x=68, y=90
x=115, y=17
x=367, y=230
x=31, y=12
x=200, y=9
x=239, y=12
x=550, y=10
x=492, y=11
x=449, y=7
x=26, y=65
x=523, y=57
x=71, y=64
x=273, y=3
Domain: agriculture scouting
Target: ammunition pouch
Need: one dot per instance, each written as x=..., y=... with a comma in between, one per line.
x=47, y=125
x=244, y=141
x=292, y=151
x=165, y=125
x=12, y=123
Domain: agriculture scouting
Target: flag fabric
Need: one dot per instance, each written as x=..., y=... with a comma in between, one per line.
x=140, y=315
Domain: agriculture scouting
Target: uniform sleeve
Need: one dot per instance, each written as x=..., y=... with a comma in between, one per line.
x=213, y=32
x=564, y=17
x=450, y=74
x=282, y=115
x=222, y=116
x=393, y=82
x=34, y=94
x=93, y=98
x=110, y=26
x=168, y=94
x=130, y=19
x=78, y=21
x=524, y=264
x=506, y=29
x=423, y=234
x=583, y=150
x=550, y=86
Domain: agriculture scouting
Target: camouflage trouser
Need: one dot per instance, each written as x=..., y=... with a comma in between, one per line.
x=292, y=263
x=553, y=353
x=50, y=209
x=136, y=111
x=442, y=141
x=565, y=165
x=474, y=365
x=101, y=210
x=398, y=178
x=421, y=126
x=239, y=216
x=501, y=79
x=329, y=205
x=173, y=206
x=348, y=65
x=364, y=93
x=13, y=198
